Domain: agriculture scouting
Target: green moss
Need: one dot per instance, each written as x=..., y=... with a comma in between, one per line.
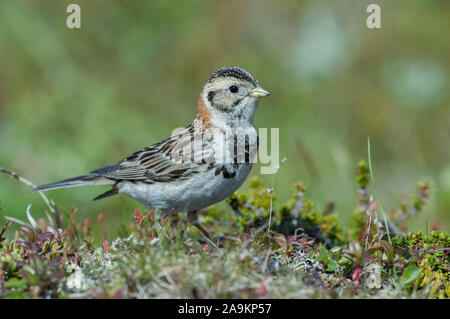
x=430, y=254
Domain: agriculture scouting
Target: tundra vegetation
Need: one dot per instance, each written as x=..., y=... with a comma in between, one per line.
x=262, y=250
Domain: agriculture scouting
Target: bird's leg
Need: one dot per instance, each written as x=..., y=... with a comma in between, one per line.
x=193, y=220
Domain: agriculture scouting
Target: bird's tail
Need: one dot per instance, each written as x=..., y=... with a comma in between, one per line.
x=86, y=180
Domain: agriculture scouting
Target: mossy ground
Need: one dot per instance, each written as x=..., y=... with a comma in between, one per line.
x=265, y=251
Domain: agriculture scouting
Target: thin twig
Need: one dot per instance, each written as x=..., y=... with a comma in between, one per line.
x=166, y=221
x=69, y=236
x=18, y=221
x=28, y=183
x=4, y=229
x=215, y=246
x=271, y=203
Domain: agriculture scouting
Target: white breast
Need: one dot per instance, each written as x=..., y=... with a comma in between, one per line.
x=197, y=192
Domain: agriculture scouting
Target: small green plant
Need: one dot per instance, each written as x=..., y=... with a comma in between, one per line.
x=295, y=216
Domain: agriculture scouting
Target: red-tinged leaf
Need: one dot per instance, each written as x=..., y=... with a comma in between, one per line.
x=105, y=247
x=119, y=294
x=44, y=236
x=85, y=225
x=137, y=214
x=261, y=290
x=435, y=225
x=280, y=239
x=27, y=232
x=356, y=273
x=100, y=219
x=356, y=276
x=387, y=248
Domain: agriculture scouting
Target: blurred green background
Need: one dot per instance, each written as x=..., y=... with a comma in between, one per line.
x=73, y=100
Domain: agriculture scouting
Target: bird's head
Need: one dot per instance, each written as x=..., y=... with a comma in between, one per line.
x=229, y=98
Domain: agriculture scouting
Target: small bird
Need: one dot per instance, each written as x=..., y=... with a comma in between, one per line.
x=202, y=164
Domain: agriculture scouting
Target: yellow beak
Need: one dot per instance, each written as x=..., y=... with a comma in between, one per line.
x=259, y=92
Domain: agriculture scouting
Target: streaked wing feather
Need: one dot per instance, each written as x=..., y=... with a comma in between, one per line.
x=156, y=163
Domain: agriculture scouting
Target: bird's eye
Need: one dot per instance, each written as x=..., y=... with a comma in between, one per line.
x=234, y=89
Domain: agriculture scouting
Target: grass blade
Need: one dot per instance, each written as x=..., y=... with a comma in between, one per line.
x=376, y=192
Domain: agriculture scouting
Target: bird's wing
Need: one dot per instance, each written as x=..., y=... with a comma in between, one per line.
x=165, y=161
